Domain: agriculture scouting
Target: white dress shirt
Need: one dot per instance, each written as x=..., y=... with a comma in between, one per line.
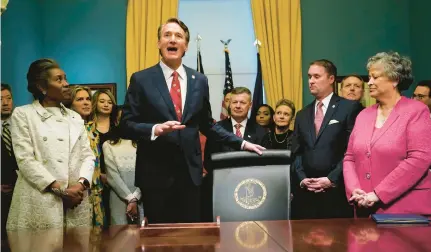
x=242, y=129
x=182, y=77
x=167, y=72
x=325, y=102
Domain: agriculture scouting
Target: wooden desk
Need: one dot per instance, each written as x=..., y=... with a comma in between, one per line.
x=299, y=235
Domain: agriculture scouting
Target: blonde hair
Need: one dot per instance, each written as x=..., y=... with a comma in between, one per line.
x=77, y=88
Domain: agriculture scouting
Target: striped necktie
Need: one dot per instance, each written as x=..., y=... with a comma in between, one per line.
x=6, y=137
x=238, y=130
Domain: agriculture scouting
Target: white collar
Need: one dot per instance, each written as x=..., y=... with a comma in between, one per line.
x=167, y=71
x=243, y=123
x=326, y=100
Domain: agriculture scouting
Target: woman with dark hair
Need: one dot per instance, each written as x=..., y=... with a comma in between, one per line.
x=120, y=161
x=54, y=158
x=386, y=165
x=264, y=117
x=102, y=119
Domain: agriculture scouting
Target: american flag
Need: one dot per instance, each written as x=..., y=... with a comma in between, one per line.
x=228, y=83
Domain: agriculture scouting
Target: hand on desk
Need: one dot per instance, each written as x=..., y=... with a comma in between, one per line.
x=253, y=148
x=316, y=184
x=167, y=127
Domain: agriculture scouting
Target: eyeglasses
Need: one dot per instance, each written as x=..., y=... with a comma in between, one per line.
x=419, y=96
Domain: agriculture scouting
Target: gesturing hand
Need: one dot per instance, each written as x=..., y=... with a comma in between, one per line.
x=167, y=127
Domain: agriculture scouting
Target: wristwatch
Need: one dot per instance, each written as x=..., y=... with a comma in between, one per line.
x=84, y=182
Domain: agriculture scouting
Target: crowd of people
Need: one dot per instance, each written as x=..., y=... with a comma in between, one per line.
x=75, y=158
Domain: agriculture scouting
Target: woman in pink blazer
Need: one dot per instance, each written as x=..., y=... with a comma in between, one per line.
x=386, y=165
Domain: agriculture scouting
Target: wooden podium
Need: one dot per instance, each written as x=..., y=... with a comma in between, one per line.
x=180, y=234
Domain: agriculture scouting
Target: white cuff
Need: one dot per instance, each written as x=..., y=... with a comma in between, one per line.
x=242, y=145
x=130, y=197
x=137, y=194
x=153, y=137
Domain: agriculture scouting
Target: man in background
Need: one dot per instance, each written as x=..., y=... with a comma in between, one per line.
x=422, y=93
x=238, y=123
x=8, y=161
x=322, y=131
x=352, y=87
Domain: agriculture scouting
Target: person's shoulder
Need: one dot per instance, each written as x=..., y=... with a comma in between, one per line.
x=301, y=112
x=23, y=108
x=195, y=73
x=146, y=71
x=73, y=114
x=224, y=123
x=411, y=107
x=348, y=103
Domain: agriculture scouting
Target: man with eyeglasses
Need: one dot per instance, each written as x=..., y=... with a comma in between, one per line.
x=423, y=93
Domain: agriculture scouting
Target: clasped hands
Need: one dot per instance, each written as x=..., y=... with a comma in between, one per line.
x=132, y=209
x=316, y=184
x=72, y=196
x=363, y=199
x=171, y=126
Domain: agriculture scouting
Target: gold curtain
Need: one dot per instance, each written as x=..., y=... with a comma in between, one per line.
x=277, y=24
x=143, y=19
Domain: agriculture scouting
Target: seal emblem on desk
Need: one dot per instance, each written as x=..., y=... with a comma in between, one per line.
x=250, y=193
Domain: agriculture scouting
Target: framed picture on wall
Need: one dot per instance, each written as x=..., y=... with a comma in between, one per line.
x=366, y=100
x=100, y=86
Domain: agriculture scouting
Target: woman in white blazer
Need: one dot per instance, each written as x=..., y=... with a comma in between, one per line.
x=54, y=158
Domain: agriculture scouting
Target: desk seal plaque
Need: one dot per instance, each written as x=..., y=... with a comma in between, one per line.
x=250, y=193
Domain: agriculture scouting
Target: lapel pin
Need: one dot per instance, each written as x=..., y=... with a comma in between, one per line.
x=249, y=136
x=193, y=76
x=333, y=106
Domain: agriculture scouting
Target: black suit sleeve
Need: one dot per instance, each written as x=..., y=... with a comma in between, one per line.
x=296, y=151
x=213, y=131
x=335, y=175
x=130, y=128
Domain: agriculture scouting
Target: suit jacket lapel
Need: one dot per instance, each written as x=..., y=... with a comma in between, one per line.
x=75, y=129
x=161, y=85
x=191, y=81
x=379, y=133
x=311, y=121
x=249, y=132
x=333, y=105
x=368, y=129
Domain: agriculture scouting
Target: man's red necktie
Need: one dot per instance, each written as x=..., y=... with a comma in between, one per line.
x=176, y=96
x=238, y=131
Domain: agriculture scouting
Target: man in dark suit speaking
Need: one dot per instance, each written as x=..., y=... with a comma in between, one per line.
x=165, y=108
x=322, y=131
